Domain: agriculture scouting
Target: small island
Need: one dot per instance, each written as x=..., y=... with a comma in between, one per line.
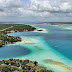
x=11, y=28
x=16, y=65
x=39, y=30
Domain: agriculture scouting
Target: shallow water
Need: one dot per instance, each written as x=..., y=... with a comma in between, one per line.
x=51, y=48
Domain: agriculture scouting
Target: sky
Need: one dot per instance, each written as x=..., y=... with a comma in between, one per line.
x=36, y=10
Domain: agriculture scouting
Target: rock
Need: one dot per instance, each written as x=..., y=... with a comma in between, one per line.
x=39, y=30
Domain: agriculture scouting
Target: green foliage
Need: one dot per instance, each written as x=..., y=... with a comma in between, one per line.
x=7, y=68
x=16, y=65
x=22, y=28
x=2, y=26
x=9, y=28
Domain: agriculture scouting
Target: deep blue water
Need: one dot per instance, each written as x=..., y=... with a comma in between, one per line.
x=11, y=51
x=58, y=38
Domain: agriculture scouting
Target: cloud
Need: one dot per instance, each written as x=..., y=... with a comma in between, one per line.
x=52, y=6
x=36, y=8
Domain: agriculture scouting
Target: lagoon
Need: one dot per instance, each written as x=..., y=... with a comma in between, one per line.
x=51, y=48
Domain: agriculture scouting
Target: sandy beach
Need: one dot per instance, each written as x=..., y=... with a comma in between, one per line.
x=41, y=30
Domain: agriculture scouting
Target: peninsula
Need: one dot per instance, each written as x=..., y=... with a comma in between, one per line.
x=11, y=28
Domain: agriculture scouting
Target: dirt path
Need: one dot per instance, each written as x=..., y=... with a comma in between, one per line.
x=6, y=28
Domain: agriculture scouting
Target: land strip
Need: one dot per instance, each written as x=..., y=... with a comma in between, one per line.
x=10, y=28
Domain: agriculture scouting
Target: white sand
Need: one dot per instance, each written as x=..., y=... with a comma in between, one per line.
x=43, y=30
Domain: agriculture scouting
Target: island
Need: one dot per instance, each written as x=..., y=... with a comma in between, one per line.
x=11, y=28
x=16, y=65
x=39, y=30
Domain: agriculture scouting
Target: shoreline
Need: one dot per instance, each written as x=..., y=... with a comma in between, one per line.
x=54, y=62
x=60, y=63
x=5, y=39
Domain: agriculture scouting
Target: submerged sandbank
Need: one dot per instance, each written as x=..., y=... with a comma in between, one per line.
x=43, y=53
x=58, y=65
x=67, y=27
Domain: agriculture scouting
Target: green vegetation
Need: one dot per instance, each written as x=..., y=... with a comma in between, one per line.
x=23, y=28
x=16, y=65
x=11, y=28
x=2, y=26
x=5, y=39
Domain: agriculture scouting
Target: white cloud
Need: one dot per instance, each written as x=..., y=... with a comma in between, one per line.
x=36, y=8
x=53, y=7
x=65, y=7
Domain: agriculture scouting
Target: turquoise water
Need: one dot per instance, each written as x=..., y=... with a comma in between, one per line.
x=58, y=38
x=53, y=45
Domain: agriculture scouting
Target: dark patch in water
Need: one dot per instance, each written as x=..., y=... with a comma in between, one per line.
x=38, y=48
x=13, y=51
